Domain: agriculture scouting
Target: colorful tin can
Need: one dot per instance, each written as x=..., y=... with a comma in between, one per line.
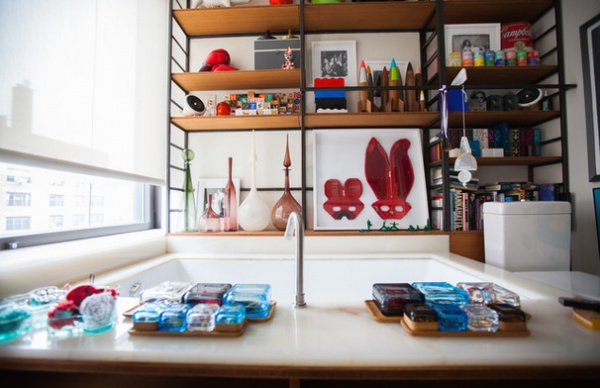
x=511, y=58
x=467, y=58
x=455, y=59
x=533, y=58
x=521, y=58
x=488, y=58
x=478, y=58
x=499, y=58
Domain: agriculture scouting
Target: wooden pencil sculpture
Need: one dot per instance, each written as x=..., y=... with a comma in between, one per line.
x=395, y=102
x=411, y=94
x=384, y=92
x=370, y=83
x=364, y=104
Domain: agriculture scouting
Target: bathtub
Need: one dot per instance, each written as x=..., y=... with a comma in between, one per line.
x=328, y=279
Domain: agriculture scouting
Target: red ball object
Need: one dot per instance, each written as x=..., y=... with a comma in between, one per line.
x=217, y=57
x=223, y=67
x=223, y=109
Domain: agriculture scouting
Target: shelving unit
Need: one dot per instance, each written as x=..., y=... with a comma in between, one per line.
x=425, y=17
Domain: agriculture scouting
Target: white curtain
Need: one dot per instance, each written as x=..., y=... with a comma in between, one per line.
x=85, y=82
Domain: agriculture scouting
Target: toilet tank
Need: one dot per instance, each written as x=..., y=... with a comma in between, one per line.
x=528, y=236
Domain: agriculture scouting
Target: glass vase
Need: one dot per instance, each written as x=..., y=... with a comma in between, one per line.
x=254, y=214
x=209, y=220
x=287, y=203
x=188, y=218
x=230, y=223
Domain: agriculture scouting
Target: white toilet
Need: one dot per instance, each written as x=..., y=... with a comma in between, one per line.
x=528, y=236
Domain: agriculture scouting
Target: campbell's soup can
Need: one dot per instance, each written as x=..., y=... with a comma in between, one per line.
x=516, y=36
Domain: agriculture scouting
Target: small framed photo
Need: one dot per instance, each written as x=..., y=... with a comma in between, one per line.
x=335, y=60
x=460, y=36
x=216, y=187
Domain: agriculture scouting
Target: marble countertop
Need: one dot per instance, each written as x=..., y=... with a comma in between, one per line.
x=341, y=334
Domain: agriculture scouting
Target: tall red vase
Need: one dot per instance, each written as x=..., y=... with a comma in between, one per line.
x=287, y=203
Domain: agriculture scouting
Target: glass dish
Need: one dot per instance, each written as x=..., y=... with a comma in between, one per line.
x=170, y=291
x=481, y=318
x=442, y=293
x=255, y=297
x=173, y=318
x=391, y=298
x=451, y=317
x=231, y=314
x=99, y=312
x=510, y=318
x=147, y=316
x=59, y=327
x=487, y=292
x=206, y=293
x=201, y=317
x=15, y=321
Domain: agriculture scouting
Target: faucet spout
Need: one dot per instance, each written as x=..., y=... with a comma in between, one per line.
x=295, y=225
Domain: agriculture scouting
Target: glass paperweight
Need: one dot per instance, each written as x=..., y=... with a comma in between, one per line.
x=287, y=204
x=230, y=203
x=168, y=291
x=479, y=292
x=15, y=321
x=420, y=316
x=502, y=295
x=255, y=297
x=206, y=293
x=481, y=318
x=38, y=302
x=174, y=318
x=392, y=297
x=201, y=317
x=451, y=317
x=209, y=220
x=99, y=312
x=442, y=293
x=231, y=314
x=64, y=326
x=188, y=218
x=510, y=318
x=146, y=317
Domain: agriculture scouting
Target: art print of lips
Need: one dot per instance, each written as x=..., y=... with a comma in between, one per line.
x=391, y=179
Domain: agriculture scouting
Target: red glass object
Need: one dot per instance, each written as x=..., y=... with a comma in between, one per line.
x=390, y=179
x=230, y=223
x=209, y=220
x=343, y=200
x=223, y=109
x=287, y=203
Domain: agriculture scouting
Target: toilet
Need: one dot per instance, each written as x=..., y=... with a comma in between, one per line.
x=528, y=236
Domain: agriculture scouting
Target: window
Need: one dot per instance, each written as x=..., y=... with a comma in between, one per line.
x=83, y=114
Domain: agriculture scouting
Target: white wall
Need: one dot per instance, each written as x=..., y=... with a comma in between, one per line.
x=585, y=256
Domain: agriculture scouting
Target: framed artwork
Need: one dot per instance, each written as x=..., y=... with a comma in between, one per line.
x=377, y=68
x=590, y=52
x=369, y=180
x=335, y=59
x=459, y=36
x=216, y=187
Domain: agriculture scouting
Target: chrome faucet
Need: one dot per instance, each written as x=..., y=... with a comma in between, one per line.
x=295, y=224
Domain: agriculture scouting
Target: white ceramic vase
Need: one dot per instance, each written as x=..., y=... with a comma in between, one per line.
x=254, y=214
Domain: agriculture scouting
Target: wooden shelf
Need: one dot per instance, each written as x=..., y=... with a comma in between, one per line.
x=228, y=123
x=357, y=17
x=370, y=120
x=503, y=75
x=498, y=11
x=489, y=119
x=239, y=20
x=238, y=79
x=532, y=161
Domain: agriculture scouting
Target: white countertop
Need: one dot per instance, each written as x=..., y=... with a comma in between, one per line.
x=343, y=334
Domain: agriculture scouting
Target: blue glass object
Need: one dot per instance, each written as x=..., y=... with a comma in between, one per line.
x=231, y=314
x=173, y=318
x=392, y=297
x=14, y=321
x=255, y=297
x=206, y=293
x=148, y=312
x=442, y=293
x=201, y=317
x=481, y=318
x=451, y=317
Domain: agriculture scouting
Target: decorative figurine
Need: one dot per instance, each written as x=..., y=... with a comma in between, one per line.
x=289, y=56
x=364, y=104
x=394, y=100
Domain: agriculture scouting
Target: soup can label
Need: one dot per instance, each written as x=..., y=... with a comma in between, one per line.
x=516, y=36
x=478, y=58
x=533, y=57
x=467, y=58
x=499, y=58
x=511, y=58
x=455, y=59
x=521, y=58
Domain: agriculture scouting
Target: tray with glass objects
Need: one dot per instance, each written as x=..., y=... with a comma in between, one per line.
x=206, y=309
x=439, y=309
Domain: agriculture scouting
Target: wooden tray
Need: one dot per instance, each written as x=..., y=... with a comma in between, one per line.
x=220, y=331
x=379, y=317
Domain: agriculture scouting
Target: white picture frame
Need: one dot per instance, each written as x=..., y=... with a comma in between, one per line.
x=335, y=59
x=340, y=154
x=216, y=187
x=484, y=35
